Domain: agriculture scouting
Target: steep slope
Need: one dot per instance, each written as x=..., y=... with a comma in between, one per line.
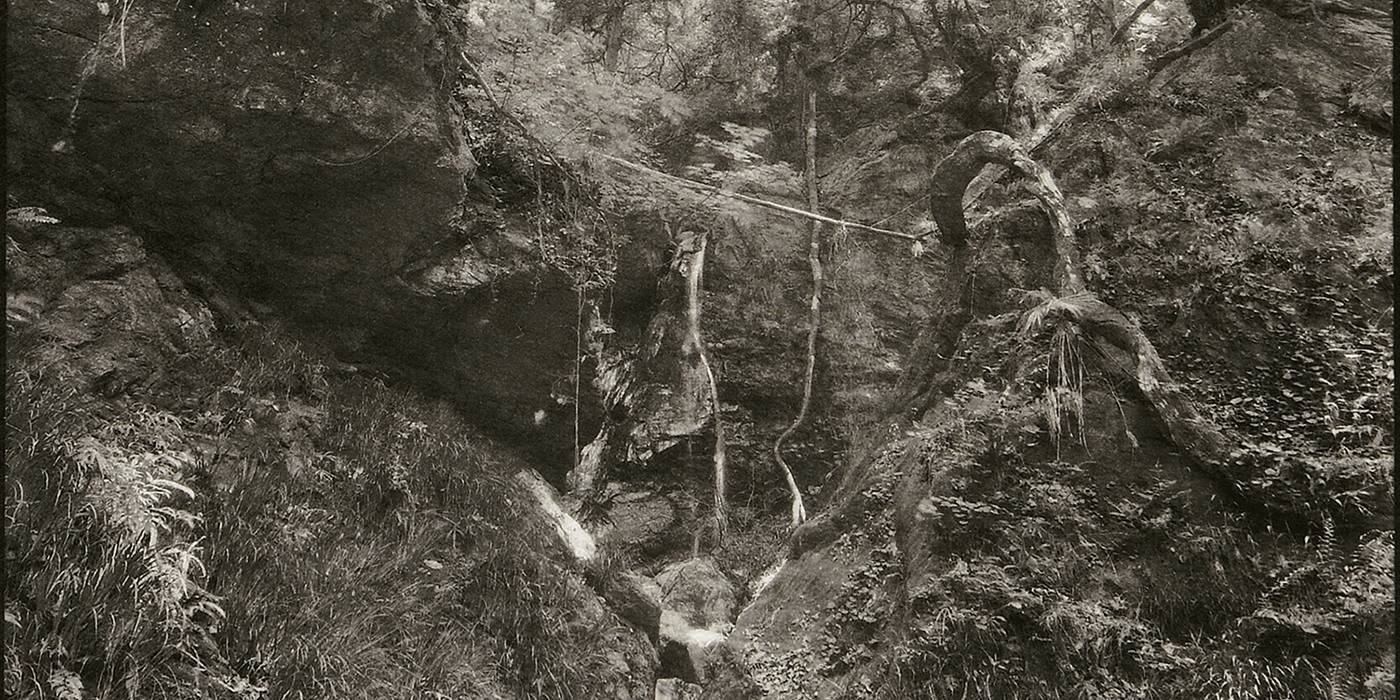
x=1031, y=524
x=197, y=510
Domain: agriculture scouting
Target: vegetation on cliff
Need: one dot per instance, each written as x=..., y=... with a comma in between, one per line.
x=294, y=291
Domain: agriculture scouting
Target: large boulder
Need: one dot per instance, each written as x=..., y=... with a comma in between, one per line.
x=305, y=147
x=640, y=521
x=698, y=605
x=699, y=592
x=311, y=157
x=123, y=318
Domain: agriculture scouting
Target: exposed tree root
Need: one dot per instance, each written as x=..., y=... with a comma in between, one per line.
x=1193, y=433
x=1200, y=439
x=814, y=241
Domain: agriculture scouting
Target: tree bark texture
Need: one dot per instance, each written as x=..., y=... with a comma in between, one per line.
x=953, y=174
x=1122, y=32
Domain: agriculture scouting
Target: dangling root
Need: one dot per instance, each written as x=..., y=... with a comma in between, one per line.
x=814, y=245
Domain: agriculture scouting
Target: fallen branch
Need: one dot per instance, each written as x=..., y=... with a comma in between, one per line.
x=1188, y=48
x=1122, y=32
x=712, y=189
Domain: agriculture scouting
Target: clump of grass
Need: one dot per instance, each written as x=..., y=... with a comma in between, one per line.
x=104, y=563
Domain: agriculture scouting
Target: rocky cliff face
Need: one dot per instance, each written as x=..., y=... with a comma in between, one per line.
x=311, y=158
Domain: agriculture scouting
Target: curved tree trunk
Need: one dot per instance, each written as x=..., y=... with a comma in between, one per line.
x=1207, y=445
x=952, y=175
x=1122, y=32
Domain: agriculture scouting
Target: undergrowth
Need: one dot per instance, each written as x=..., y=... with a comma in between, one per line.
x=287, y=533
x=1088, y=569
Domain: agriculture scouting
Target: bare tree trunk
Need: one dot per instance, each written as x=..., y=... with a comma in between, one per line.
x=612, y=39
x=953, y=174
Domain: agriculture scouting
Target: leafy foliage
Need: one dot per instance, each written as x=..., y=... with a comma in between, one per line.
x=105, y=563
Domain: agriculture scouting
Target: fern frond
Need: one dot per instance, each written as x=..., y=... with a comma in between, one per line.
x=165, y=486
x=28, y=215
x=1072, y=307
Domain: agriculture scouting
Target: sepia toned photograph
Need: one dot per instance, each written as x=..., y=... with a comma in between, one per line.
x=699, y=350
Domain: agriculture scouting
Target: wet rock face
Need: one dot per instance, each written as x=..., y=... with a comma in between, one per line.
x=307, y=156
x=302, y=148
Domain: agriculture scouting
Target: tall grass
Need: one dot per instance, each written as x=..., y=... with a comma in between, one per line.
x=103, y=560
x=282, y=533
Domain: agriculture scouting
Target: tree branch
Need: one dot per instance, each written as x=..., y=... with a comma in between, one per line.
x=1188, y=48
x=712, y=189
x=1122, y=32
x=545, y=150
